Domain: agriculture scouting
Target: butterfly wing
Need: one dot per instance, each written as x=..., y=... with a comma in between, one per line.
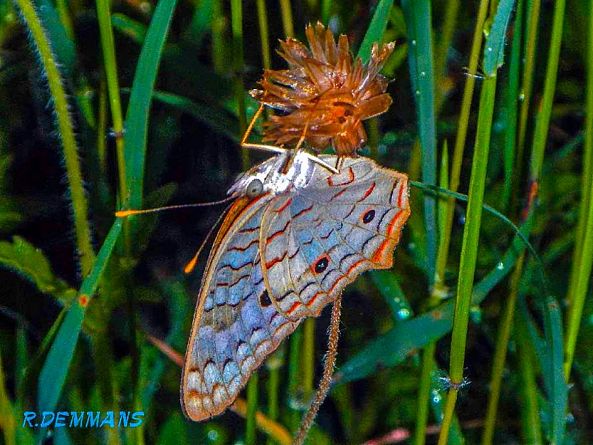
x=235, y=326
x=318, y=240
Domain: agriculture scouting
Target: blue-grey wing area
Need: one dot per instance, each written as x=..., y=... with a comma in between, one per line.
x=235, y=327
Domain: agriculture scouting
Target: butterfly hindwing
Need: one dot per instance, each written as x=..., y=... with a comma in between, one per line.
x=235, y=326
x=322, y=237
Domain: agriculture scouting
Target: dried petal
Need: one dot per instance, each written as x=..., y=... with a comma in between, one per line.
x=325, y=93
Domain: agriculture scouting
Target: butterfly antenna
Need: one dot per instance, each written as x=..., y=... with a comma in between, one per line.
x=328, y=370
x=191, y=265
x=126, y=213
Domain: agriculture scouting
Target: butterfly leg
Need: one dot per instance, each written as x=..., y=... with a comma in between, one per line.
x=264, y=147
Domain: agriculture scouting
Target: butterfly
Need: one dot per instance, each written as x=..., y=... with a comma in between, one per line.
x=295, y=236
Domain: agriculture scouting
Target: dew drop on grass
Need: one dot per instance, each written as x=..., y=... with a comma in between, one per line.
x=413, y=42
x=500, y=265
x=213, y=435
x=403, y=313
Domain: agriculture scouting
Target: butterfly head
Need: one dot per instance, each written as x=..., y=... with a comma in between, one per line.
x=277, y=175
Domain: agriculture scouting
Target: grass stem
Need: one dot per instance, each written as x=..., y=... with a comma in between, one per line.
x=583, y=249
x=469, y=249
x=110, y=64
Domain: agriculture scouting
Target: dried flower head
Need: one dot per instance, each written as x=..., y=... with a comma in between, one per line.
x=324, y=94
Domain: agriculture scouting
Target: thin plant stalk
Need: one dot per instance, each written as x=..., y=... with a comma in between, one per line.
x=542, y=123
x=469, y=250
x=219, y=61
x=101, y=128
x=527, y=80
x=286, y=12
x=530, y=422
x=460, y=138
x=427, y=369
x=238, y=65
x=308, y=357
x=250, y=429
x=262, y=18
x=110, y=64
x=294, y=375
x=442, y=48
x=274, y=364
x=439, y=288
x=502, y=341
x=65, y=130
x=581, y=268
x=326, y=8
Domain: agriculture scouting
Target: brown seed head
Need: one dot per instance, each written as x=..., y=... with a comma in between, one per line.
x=324, y=94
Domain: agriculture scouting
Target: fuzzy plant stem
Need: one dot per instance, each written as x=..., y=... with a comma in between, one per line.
x=328, y=370
x=65, y=127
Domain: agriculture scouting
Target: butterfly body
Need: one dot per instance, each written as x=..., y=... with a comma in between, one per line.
x=295, y=236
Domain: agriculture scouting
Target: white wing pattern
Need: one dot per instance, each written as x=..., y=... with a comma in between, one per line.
x=313, y=241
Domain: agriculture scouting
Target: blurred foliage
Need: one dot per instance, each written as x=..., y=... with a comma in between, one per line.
x=179, y=145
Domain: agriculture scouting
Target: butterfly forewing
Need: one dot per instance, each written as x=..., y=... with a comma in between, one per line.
x=235, y=325
x=321, y=238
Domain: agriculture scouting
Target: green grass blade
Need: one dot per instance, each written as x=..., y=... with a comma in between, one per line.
x=110, y=66
x=420, y=57
x=469, y=250
x=530, y=419
x=553, y=374
x=134, y=29
x=388, y=285
x=136, y=124
x=583, y=251
x=7, y=415
x=54, y=371
x=375, y=30
x=542, y=123
x=215, y=118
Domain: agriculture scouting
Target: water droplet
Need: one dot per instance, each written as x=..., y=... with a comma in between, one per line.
x=413, y=42
x=500, y=265
x=489, y=49
x=423, y=74
x=462, y=219
x=213, y=435
x=436, y=399
x=417, y=92
x=522, y=96
x=403, y=313
x=476, y=314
